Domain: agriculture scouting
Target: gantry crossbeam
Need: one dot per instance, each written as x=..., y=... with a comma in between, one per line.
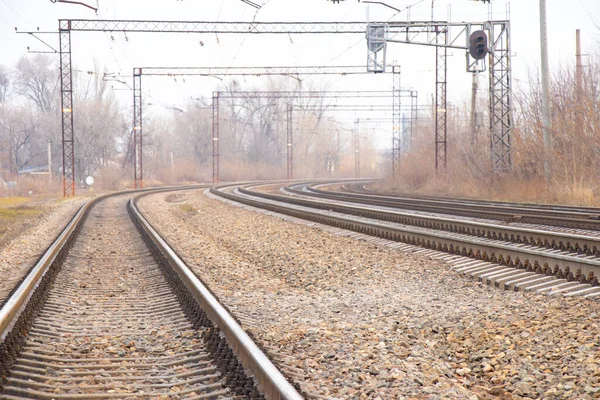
x=415, y=29
x=254, y=71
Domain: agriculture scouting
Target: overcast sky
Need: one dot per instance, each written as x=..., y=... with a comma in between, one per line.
x=119, y=52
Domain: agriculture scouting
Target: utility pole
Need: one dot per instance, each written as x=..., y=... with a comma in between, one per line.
x=578, y=64
x=290, y=142
x=356, y=148
x=172, y=165
x=475, y=87
x=546, y=118
x=49, y=161
x=578, y=83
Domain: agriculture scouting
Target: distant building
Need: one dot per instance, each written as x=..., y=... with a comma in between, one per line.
x=34, y=170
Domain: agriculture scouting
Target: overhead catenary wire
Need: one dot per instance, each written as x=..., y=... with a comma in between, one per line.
x=14, y=11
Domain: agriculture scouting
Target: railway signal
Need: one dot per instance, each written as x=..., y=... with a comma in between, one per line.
x=478, y=45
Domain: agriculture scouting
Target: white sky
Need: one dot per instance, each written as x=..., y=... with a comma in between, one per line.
x=120, y=52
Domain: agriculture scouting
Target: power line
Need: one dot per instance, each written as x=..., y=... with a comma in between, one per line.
x=13, y=10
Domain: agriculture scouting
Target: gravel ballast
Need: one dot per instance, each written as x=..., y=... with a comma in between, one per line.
x=19, y=254
x=350, y=319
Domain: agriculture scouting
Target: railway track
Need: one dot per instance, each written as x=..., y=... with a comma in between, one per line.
x=111, y=312
x=509, y=257
x=557, y=238
x=587, y=218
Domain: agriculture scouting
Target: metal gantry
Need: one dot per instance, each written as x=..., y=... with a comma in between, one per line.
x=501, y=119
x=137, y=130
x=455, y=35
x=290, y=142
x=290, y=95
x=378, y=33
x=66, y=26
x=255, y=71
x=356, y=148
x=441, y=115
x=139, y=72
x=396, y=120
x=66, y=104
x=308, y=94
x=356, y=138
x=414, y=118
x=215, y=138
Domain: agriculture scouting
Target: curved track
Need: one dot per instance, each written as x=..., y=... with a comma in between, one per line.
x=542, y=214
x=117, y=316
x=534, y=255
x=566, y=240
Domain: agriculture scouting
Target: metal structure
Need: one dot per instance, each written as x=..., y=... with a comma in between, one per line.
x=455, y=35
x=137, y=130
x=309, y=94
x=290, y=142
x=254, y=71
x=215, y=138
x=66, y=106
x=378, y=34
x=291, y=95
x=414, y=117
x=234, y=71
x=441, y=115
x=396, y=121
x=400, y=142
x=501, y=118
x=356, y=139
x=356, y=149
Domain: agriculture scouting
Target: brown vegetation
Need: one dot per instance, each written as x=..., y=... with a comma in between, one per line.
x=15, y=216
x=574, y=158
x=253, y=144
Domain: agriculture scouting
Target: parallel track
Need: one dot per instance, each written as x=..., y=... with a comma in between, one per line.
x=566, y=240
x=543, y=214
x=118, y=316
x=493, y=244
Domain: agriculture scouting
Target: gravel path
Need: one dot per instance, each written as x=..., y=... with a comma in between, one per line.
x=356, y=320
x=18, y=255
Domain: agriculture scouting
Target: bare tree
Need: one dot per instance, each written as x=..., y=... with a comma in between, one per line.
x=36, y=79
x=20, y=133
x=98, y=127
x=194, y=134
x=4, y=83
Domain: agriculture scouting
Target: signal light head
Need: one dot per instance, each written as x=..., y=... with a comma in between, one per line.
x=478, y=45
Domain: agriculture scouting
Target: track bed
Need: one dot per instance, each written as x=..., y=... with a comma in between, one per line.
x=112, y=326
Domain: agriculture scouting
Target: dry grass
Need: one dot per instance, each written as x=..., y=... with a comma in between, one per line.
x=33, y=185
x=184, y=171
x=422, y=179
x=469, y=175
x=15, y=216
x=111, y=178
x=12, y=201
x=187, y=208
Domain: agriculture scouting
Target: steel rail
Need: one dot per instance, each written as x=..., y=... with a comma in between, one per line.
x=19, y=309
x=271, y=382
x=16, y=313
x=542, y=214
x=16, y=303
x=564, y=241
x=348, y=187
x=18, y=300
x=539, y=260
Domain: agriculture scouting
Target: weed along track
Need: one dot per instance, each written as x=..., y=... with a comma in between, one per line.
x=121, y=318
